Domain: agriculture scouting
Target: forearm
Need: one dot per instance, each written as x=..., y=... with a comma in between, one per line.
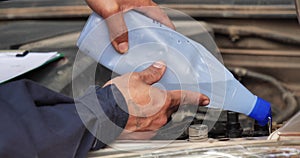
x=41, y=123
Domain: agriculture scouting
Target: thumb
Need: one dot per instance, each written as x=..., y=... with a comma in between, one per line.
x=118, y=32
x=153, y=73
x=110, y=10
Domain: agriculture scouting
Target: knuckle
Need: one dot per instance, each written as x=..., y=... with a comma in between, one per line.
x=184, y=97
x=120, y=36
x=168, y=99
x=149, y=77
x=151, y=3
x=135, y=76
x=163, y=120
x=144, y=3
x=154, y=71
x=110, y=10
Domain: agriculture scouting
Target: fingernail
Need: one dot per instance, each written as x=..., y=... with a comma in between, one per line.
x=205, y=102
x=159, y=64
x=123, y=47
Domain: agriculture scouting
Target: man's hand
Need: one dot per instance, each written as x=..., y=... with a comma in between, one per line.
x=112, y=11
x=149, y=107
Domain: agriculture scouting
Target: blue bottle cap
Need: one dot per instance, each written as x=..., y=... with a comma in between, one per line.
x=261, y=111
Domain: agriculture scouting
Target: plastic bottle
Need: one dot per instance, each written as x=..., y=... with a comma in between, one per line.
x=189, y=65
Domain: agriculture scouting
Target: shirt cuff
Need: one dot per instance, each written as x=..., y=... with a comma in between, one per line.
x=115, y=108
x=104, y=113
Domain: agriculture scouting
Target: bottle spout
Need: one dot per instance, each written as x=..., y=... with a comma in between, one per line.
x=261, y=112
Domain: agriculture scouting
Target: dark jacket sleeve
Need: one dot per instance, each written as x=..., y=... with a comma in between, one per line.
x=37, y=122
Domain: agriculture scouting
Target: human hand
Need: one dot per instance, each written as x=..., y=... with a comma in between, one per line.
x=150, y=107
x=116, y=24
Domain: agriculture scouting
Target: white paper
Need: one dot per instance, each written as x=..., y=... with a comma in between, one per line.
x=12, y=66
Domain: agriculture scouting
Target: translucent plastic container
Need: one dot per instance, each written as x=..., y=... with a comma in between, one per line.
x=189, y=65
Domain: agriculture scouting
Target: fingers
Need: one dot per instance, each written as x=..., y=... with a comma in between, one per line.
x=179, y=97
x=153, y=73
x=113, y=10
x=145, y=135
x=157, y=14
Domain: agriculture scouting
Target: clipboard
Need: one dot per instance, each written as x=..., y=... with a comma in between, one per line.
x=14, y=63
